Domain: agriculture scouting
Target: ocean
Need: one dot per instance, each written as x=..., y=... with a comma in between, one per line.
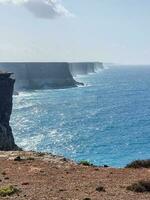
x=106, y=122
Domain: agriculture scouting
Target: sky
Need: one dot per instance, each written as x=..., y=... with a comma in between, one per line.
x=114, y=31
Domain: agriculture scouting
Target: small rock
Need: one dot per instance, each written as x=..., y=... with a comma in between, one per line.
x=100, y=189
x=106, y=166
x=25, y=183
x=3, y=173
x=42, y=171
x=64, y=159
x=18, y=158
x=62, y=190
x=6, y=178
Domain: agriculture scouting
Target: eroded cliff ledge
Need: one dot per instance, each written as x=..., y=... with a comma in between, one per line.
x=6, y=91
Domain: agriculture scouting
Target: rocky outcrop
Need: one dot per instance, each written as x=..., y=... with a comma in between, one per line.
x=40, y=75
x=6, y=91
x=84, y=68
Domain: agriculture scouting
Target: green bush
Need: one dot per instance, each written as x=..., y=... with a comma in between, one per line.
x=8, y=191
x=85, y=163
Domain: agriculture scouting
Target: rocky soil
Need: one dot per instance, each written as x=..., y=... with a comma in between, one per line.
x=39, y=176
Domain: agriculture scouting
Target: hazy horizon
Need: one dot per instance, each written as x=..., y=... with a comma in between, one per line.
x=75, y=31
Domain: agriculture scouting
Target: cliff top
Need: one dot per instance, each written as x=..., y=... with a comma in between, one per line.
x=5, y=74
x=36, y=176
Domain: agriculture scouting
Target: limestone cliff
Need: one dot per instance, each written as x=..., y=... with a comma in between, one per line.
x=84, y=68
x=40, y=75
x=6, y=91
x=44, y=75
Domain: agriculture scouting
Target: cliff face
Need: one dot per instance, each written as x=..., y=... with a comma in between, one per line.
x=40, y=75
x=43, y=75
x=84, y=68
x=6, y=92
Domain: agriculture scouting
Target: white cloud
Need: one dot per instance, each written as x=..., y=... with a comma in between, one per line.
x=49, y=9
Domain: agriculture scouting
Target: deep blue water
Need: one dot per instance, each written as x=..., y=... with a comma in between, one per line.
x=106, y=122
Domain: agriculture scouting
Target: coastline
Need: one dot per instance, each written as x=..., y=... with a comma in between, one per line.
x=48, y=75
x=36, y=176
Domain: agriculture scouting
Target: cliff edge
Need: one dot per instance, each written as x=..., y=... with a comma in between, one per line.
x=6, y=91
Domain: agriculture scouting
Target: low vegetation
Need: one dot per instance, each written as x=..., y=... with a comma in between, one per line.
x=8, y=191
x=139, y=164
x=40, y=154
x=30, y=158
x=18, y=158
x=85, y=163
x=141, y=186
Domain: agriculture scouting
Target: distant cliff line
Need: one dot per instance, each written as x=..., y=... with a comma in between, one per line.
x=42, y=75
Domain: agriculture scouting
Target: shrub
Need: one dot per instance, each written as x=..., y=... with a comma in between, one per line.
x=30, y=158
x=85, y=163
x=141, y=186
x=8, y=191
x=40, y=154
x=139, y=164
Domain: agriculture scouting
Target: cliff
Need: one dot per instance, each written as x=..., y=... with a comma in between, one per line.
x=38, y=75
x=6, y=92
x=84, y=68
x=42, y=75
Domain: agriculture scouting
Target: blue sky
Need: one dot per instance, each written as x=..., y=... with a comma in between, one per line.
x=101, y=30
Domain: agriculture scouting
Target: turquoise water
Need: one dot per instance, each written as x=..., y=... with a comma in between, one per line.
x=106, y=122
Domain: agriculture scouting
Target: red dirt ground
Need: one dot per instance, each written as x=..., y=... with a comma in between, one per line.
x=47, y=177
